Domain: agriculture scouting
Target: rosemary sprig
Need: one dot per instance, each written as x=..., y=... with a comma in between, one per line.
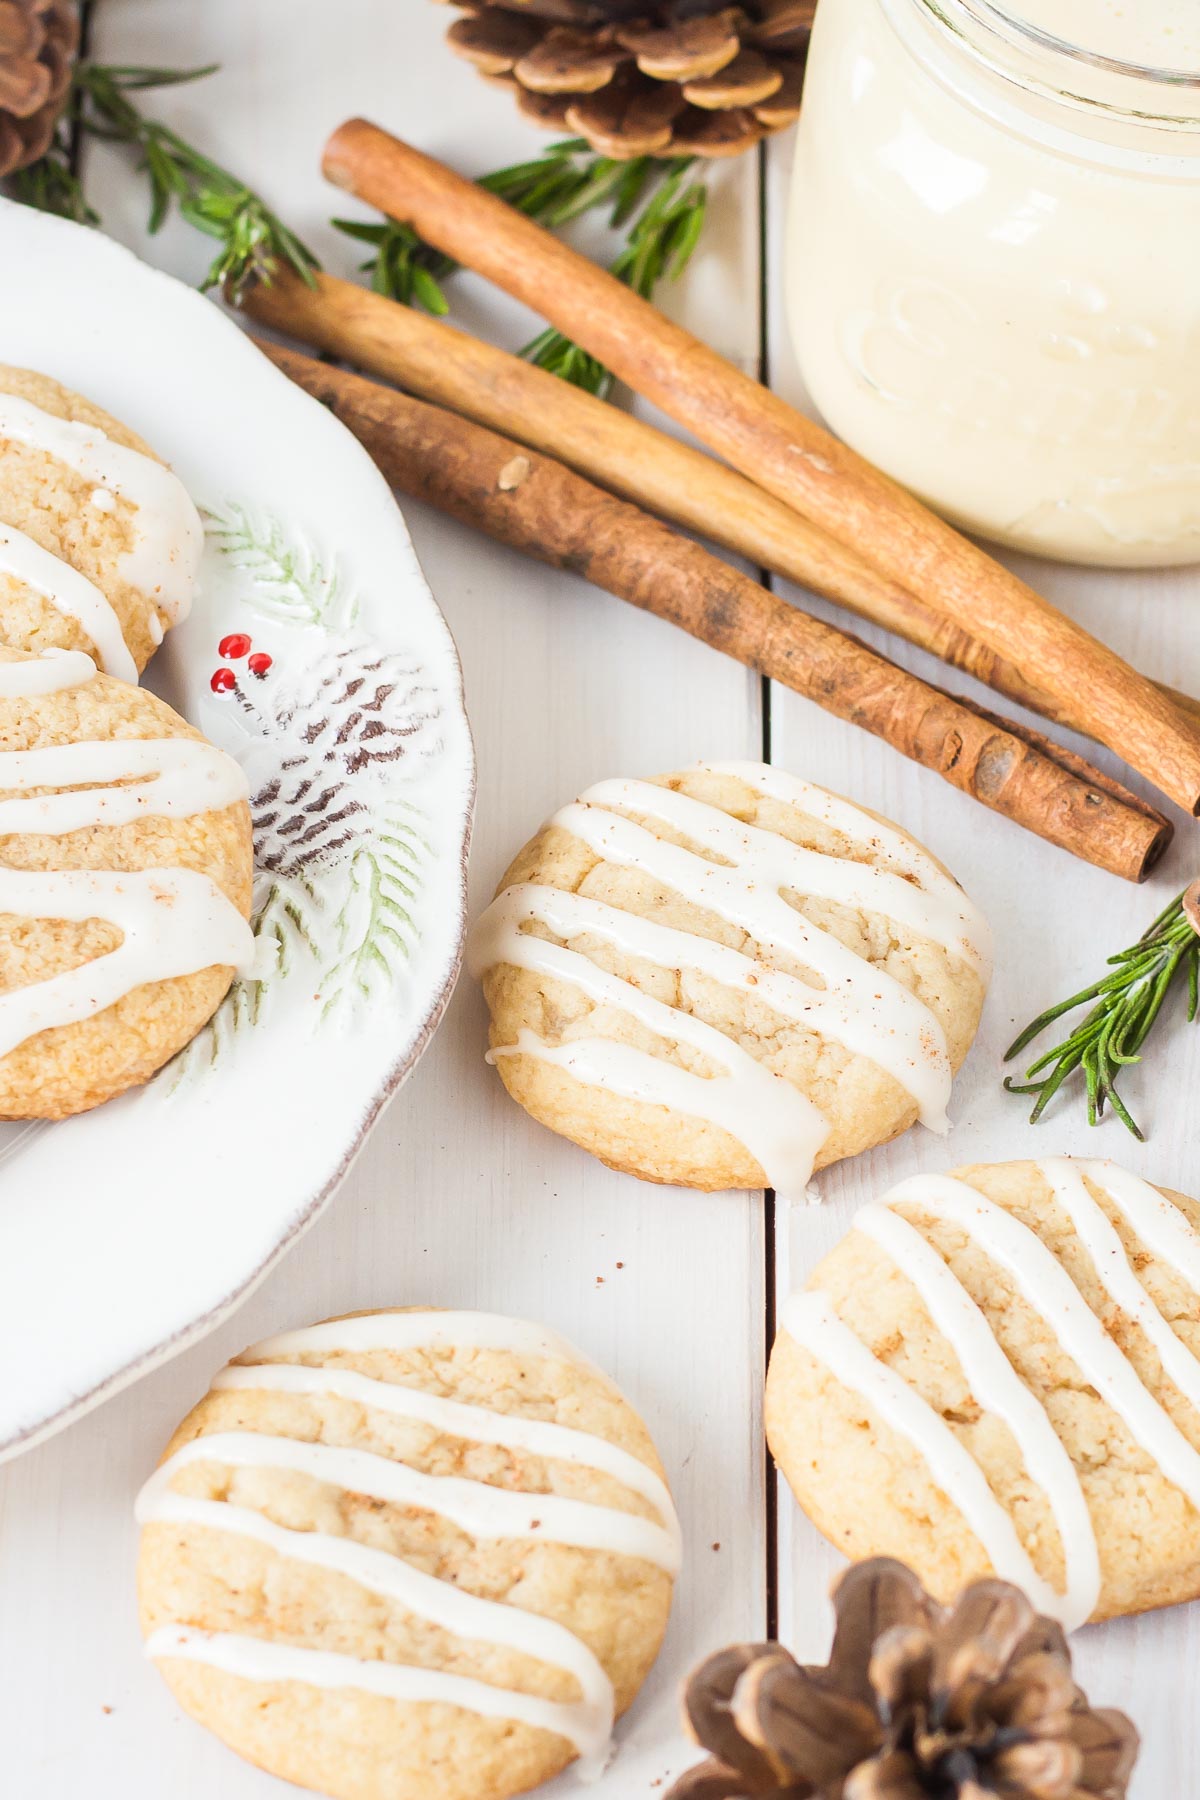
x=1127, y=1005
x=555, y=188
x=51, y=185
x=253, y=241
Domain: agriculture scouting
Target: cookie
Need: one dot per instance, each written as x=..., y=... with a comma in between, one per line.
x=409, y=1553
x=99, y=541
x=996, y=1371
x=125, y=874
x=728, y=978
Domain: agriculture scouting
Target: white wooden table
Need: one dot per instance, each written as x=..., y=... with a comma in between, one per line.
x=459, y=1199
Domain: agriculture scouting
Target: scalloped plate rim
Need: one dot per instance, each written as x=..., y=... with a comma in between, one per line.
x=460, y=763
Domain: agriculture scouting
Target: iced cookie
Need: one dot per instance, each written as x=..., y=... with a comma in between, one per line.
x=99, y=541
x=408, y=1554
x=125, y=871
x=997, y=1371
x=728, y=978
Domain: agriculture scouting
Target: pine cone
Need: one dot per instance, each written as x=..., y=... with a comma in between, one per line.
x=38, y=41
x=645, y=77
x=918, y=1702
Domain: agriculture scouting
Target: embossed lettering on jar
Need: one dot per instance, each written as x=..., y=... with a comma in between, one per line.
x=994, y=280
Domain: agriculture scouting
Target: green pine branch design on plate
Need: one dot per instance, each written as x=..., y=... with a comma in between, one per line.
x=289, y=582
x=282, y=928
x=354, y=922
x=376, y=929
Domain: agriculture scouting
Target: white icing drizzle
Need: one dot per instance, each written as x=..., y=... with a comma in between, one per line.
x=537, y=1437
x=166, y=777
x=764, y=860
x=167, y=534
x=862, y=1029
x=782, y=1130
x=1112, y=1266
x=51, y=673
x=860, y=1006
x=154, y=626
x=780, y=1127
x=810, y=1320
x=1046, y=1286
x=996, y=1385
x=173, y=922
x=1157, y=1221
x=440, y=1602
x=943, y=911
x=255, y=1659
x=70, y=593
x=476, y=1507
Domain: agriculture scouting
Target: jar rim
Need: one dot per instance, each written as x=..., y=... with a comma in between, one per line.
x=1004, y=20
x=1086, y=81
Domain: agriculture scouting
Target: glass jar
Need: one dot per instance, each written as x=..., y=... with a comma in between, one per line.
x=994, y=263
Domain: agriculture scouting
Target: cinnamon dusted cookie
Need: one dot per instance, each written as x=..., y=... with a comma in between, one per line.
x=998, y=1371
x=728, y=977
x=99, y=541
x=125, y=873
x=407, y=1554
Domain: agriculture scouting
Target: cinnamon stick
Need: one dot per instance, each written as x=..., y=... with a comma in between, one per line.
x=544, y=509
x=778, y=448
x=630, y=458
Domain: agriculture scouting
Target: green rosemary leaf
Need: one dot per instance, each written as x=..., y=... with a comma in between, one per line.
x=134, y=76
x=361, y=229
x=1122, y=1111
x=200, y=221
x=1128, y=1003
x=605, y=180
x=52, y=186
x=162, y=185
x=1045, y=1019
x=1094, y=1084
x=1046, y=1090
x=630, y=190
x=685, y=238
x=427, y=291
x=254, y=242
x=562, y=184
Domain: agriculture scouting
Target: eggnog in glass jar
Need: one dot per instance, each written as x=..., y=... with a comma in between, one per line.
x=994, y=262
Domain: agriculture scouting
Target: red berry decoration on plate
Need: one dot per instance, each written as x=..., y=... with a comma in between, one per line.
x=233, y=646
x=223, y=681
x=259, y=663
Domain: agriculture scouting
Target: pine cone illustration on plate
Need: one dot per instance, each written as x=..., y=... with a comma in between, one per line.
x=917, y=1702
x=336, y=738
x=38, y=42
x=645, y=77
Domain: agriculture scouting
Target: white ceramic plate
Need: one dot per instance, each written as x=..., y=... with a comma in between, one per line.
x=128, y=1232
